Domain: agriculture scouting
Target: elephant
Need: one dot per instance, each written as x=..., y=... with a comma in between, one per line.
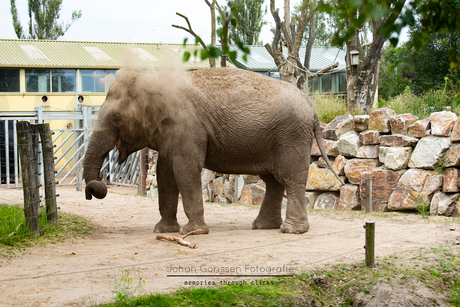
x=227, y=120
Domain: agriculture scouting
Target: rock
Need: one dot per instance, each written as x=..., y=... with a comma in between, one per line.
x=361, y=122
x=450, y=180
x=327, y=201
x=322, y=163
x=252, y=194
x=379, y=119
x=368, y=152
x=454, y=209
x=441, y=202
x=408, y=189
x=397, y=140
x=206, y=177
x=339, y=165
x=218, y=186
x=370, y=137
x=433, y=184
x=349, y=144
x=349, y=198
x=229, y=187
x=383, y=184
x=428, y=151
x=354, y=168
x=221, y=199
x=442, y=123
x=452, y=156
x=420, y=128
x=338, y=126
x=322, y=179
x=248, y=179
x=455, y=136
x=329, y=146
x=395, y=158
x=400, y=123
x=310, y=198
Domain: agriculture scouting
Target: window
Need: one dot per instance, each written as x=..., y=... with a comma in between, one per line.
x=326, y=83
x=315, y=85
x=37, y=80
x=9, y=80
x=63, y=80
x=343, y=83
x=92, y=81
x=109, y=77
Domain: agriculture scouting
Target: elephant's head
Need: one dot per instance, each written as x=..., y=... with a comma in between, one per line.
x=127, y=119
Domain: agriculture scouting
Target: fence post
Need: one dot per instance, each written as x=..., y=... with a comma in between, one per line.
x=48, y=169
x=27, y=140
x=235, y=187
x=368, y=195
x=370, y=243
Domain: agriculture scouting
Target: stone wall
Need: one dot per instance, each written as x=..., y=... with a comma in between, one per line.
x=410, y=161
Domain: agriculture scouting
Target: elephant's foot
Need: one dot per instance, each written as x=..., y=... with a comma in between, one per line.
x=195, y=226
x=294, y=227
x=165, y=226
x=261, y=223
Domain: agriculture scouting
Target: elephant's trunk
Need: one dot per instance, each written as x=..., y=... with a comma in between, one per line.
x=98, y=149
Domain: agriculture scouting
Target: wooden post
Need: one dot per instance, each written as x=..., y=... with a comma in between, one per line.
x=235, y=187
x=145, y=167
x=27, y=139
x=79, y=178
x=49, y=175
x=368, y=195
x=370, y=243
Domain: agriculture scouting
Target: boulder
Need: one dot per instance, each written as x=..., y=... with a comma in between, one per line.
x=397, y=140
x=369, y=137
x=408, y=189
x=383, y=183
x=327, y=201
x=368, y=152
x=452, y=156
x=349, y=198
x=249, y=179
x=338, y=126
x=252, y=194
x=454, y=209
x=206, y=177
x=380, y=119
x=354, y=168
x=322, y=179
x=322, y=163
x=455, y=136
x=339, y=165
x=361, y=122
x=349, y=144
x=329, y=145
x=433, y=184
x=450, y=183
x=221, y=199
x=395, y=158
x=229, y=187
x=400, y=123
x=218, y=186
x=442, y=123
x=420, y=128
x=310, y=198
x=441, y=202
x=428, y=151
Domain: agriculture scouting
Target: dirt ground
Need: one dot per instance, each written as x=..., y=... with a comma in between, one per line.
x=80, y=272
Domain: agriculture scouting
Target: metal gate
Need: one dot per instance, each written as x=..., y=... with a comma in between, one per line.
x=70, y=147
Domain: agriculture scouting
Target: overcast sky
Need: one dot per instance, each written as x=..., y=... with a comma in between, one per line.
x=128, y=20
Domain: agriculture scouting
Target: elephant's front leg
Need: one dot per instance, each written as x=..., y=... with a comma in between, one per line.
x=270, y=212
x=188, y=177
x=168, y=196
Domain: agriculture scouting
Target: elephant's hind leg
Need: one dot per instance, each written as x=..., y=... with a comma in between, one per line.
x=296, y=212
x=168, y=197
x=270, y=212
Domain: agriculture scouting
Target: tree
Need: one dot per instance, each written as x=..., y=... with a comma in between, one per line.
x=43, y=20
x=250, y=20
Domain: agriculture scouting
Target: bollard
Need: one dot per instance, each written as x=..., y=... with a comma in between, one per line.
x=368, y=195
x=370, y=244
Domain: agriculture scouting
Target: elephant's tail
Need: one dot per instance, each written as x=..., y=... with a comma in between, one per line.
x=319, y=140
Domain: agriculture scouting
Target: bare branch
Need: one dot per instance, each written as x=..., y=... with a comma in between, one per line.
x=276, y=17
x=180, y=240
x=189, y=30
x=322, y=71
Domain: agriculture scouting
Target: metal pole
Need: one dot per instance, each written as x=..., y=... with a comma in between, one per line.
x=368, y=195
x=370, y=243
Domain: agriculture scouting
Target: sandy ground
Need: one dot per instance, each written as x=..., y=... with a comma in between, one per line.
x=80, y=272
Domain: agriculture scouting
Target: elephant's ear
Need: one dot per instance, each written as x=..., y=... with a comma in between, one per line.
x=155, y=109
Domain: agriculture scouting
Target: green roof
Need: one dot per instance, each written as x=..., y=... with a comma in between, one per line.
x=94, y=55
x=260, y=60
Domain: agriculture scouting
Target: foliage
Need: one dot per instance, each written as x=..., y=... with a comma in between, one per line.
x=126, y=283
x=453, y=80
x=250, y=20
x=329, y=107
x=43, y=24
x=423, y=105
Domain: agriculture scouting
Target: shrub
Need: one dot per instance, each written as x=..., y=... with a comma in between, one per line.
x=329, y=106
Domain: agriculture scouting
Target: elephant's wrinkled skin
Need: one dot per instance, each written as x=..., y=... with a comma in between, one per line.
x=224, y=119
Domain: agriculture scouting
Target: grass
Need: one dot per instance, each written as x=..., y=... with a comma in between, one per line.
x=437, y=269
x=329, y=107
x=15, y=237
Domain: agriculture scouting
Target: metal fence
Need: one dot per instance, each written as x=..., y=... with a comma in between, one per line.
x=70, y=144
